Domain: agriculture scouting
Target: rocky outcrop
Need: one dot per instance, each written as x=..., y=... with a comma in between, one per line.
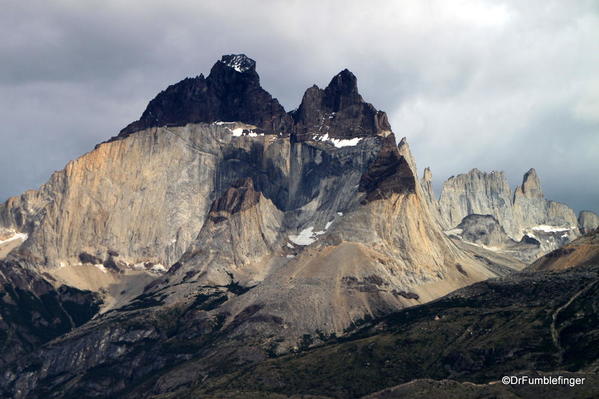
x=479, y=193
x=583, y=251
x=526, y=212
x=33, y=311
x=531, y=209
x=485, y=231
x=427, y=187
x=588, y=221
x=338, y=111
x=231, y=92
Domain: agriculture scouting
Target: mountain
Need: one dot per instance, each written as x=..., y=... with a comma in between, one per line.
x=222, y=247
x=588, y=221
x=524, y=214
x=218, y=227
x=582, y=251
x=459, y=346
x=231, y=92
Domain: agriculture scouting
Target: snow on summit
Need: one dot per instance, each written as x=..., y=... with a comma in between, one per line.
x=238, y=62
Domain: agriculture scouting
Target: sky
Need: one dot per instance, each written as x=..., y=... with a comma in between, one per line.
x=496, y=85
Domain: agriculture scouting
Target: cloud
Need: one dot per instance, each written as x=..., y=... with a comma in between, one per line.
x=490, y=84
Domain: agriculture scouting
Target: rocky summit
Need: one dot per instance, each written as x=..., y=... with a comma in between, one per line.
x=219, y=235
x=231, y=92
x=524, y=213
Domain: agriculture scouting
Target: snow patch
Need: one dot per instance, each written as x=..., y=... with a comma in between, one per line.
x=339, y=213
x=550, y=229
x=338, y=143
x=308, y=236
x=158, y=268
x=454, y=232
x=238, y=63
x=290, y=256
x=239, y=132
x=290, y=246
x=14, y=237
x=305, y=237
x=101, y=267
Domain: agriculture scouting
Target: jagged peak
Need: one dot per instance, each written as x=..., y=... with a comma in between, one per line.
x=239, y=62
x=404, y=150
x=530, y=176
x=339, y=111
x=427, y=175
x=478, y=173
x=342, y=91
x=531, y=185
x=231, y=92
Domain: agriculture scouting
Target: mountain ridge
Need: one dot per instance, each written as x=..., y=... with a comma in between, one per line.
x=214, y=244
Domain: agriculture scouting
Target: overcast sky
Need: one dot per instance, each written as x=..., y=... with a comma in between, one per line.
x=489, y=84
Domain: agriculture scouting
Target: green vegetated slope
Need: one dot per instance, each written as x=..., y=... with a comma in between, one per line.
x=528, y=321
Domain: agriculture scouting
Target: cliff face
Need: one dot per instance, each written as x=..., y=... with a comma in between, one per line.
x=338, y=111
x=583, y=251
x=231, y=92
x=588, y=221
x=530, y=208
x=525, y=213
x=278, y=227
x=476, y=193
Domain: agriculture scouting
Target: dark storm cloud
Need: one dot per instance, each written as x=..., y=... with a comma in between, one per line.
x=487, y=84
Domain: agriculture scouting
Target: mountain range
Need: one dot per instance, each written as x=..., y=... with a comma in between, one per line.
x=220, y=246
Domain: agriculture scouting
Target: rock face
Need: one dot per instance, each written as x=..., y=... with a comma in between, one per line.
x=231, y=92
x=485, y=231
x=525, y=213
x=33, y=311
x=427, y=187
x=583, y=251
x=530, y=208
x=338, y=111
x=479, y=193
x=588, y=221
x=276, y=240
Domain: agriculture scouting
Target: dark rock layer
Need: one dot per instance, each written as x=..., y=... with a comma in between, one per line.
x=338, y=111
x=231, y=92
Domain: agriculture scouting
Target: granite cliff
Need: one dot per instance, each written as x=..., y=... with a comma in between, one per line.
x=220, y=227
x=525, y=214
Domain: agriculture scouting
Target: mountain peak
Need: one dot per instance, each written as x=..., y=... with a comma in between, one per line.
x=239, y=62
x=427, y=176
x=339, y=111
x=531, y=185
x=342, y=91
x=231, y=92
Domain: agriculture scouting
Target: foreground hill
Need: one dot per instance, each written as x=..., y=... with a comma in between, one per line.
x=531, y=322
x=582, y=251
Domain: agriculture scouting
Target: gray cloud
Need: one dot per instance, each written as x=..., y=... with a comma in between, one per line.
x=503, y=85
